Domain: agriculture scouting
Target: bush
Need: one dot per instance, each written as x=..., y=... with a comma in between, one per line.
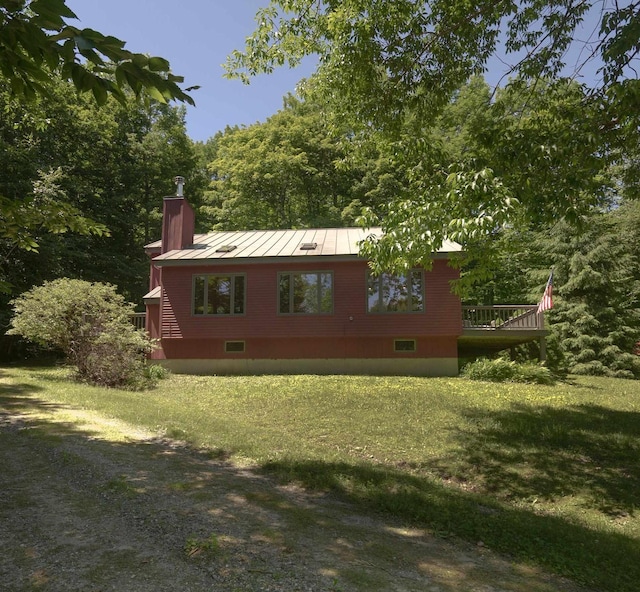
x=155, y=372
x=501, y=370
x=90, y=324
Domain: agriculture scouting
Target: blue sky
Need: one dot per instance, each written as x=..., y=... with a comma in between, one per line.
x=196, y=36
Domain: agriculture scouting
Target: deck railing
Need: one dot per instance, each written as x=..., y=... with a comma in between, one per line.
x=138, y=320
x=503, y=317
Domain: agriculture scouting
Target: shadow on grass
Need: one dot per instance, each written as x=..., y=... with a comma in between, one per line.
x=14, y=397
x=10, y=390
x=157, y=497
x=511, y=454
x=588, y=452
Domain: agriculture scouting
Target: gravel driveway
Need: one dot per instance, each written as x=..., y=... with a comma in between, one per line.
x=112, y=508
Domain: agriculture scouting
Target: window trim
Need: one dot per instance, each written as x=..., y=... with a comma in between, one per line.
x=206, y=277
x=405, y=351
x=235, y=351
x=369, y=274
x=306, y=272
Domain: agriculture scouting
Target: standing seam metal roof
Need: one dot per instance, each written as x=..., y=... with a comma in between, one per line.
x=276, y=243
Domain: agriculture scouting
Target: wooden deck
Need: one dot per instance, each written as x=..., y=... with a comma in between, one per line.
x=488, y=329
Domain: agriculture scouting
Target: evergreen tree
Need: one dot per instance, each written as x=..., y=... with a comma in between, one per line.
x=596, y=316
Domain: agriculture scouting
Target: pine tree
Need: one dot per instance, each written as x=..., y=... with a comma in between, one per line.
x=596, y=318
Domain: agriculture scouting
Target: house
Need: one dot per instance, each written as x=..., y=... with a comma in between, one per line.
x=295, y=301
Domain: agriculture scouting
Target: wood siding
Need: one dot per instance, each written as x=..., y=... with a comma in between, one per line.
x=310, y=348
x=350, y=332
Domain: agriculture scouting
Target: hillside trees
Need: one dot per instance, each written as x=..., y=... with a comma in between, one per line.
x=379, y=54
x=596, y=319
x=109, y=167
x=113, y=164
x=288, y=172
x=389, y=66
x=38, y=50
x=522, y=159
x=382, y=59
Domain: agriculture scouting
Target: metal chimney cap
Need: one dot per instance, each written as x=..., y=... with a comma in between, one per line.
x=179, y=181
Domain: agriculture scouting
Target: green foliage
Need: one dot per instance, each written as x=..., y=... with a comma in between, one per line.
x=45, y=208
x=287, y=172
x=155, y=372
x=382, y=59
x=37, y=43
x=596, y=318
x=70, y=166
x=202, y=547
x=500, y=370
x=526, y=156
x=595, y=321
x=47, y=139
x=88, y=322
x=471, y=175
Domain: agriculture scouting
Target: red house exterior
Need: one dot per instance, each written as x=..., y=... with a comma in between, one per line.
x=294, y=301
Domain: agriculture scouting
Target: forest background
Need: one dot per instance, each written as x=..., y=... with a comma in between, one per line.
x=571, y=165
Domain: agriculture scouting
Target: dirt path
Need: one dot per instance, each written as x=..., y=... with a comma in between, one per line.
x=112, y=508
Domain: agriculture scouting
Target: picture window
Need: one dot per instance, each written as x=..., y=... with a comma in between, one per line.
x=215, y=295
x=305, y=292
x=396, y=293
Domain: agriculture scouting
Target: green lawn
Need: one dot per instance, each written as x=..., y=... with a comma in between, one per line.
x=546, y=474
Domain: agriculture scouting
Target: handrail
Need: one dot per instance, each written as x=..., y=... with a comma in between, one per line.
x=503, y=317
x=139, y=320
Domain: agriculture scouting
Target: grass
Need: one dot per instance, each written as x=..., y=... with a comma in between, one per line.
x=197, y=547
x=549, y=475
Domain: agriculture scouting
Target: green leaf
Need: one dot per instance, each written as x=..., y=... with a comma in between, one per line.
x=99, y=93
x=157, y=64
x=140, y=60
x=156, y=94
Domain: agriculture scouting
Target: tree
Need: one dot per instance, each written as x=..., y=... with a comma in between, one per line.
x=90, y=324
x=596, y=318
x=287, y=172
x=36, y=43
x=111, y=163
x=522, y=160
x=390, y=68
x=37, y=49
x=383, y=58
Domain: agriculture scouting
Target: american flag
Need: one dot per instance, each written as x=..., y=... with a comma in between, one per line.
x=546, y=302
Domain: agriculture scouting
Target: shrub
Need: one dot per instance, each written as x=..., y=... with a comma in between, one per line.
x=90, y=324
x=501, y=370
x=156, y=372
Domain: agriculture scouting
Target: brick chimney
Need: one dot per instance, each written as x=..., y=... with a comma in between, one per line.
x=178, y=220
